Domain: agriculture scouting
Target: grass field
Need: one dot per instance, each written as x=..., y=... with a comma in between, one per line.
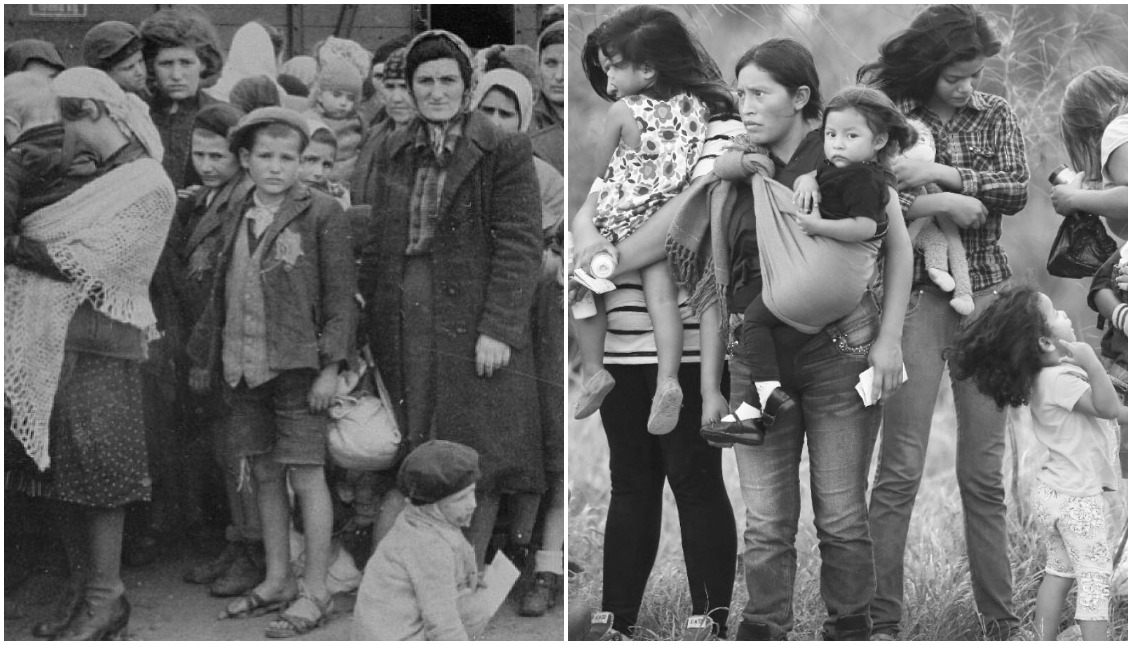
x=939, y=603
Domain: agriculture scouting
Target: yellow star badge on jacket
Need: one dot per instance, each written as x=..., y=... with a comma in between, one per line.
x=288, y=248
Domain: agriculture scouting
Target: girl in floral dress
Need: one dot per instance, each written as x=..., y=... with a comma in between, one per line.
x=664, y=87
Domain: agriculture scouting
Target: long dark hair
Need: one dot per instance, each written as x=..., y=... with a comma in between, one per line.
x=791, y=65
x=656, y=37
x=880, y=114
x=1091, y=101
x=943, y=34
x=1001, y=350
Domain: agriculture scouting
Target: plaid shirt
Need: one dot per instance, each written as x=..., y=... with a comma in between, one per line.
x=984, y=143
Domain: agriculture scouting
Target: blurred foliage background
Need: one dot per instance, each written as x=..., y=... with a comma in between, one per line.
x=1044, y=47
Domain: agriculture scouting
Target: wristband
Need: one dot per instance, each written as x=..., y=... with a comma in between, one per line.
x=1119, y=318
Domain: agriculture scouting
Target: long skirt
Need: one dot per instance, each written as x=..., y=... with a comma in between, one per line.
x=97, y=437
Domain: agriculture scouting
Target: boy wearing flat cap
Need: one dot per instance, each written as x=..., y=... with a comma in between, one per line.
x=422, y=582
x=277, y=328
x=115, y=48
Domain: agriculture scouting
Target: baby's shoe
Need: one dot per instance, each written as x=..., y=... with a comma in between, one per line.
x=593, y=393
x=748, y=432
x=775, y=404
x=665, y=407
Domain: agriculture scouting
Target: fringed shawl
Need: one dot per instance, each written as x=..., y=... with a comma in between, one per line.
x=106, y=237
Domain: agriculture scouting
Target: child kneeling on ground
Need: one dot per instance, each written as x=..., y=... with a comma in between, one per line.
x=277, y=328
x=422, y=582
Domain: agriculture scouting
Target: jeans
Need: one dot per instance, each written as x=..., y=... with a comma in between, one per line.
x=820, y=374
x=928, y=328
x=639, y=463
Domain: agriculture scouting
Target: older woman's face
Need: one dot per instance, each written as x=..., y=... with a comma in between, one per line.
x=768, y=108
x=552, y=69
x=397, y=102
x=177, y=71
x=130, y=73
x=438, y=89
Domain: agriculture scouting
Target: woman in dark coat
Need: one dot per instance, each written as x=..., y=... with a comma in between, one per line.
x=449, y=274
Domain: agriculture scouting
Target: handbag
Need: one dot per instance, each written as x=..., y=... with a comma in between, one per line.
x=1080, y=247
x=363, y=428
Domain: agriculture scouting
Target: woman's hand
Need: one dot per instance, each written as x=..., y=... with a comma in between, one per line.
x=1063, y=199
x=200, y=380
x=323, y=390
x=715, y=407
x=910, y=173
x=966, y=211
x=886, y=357
x=588, y=242
x=806, y=193
x=490, y=355
x=189, y=191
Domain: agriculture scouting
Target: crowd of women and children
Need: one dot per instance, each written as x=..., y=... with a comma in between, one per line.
x=791, y=212
x=198, y=247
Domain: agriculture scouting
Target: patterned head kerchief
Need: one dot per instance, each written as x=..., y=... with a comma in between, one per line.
x=126, y=110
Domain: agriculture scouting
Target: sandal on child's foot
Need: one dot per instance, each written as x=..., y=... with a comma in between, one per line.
x=665, y=407
x=303, y=616
x=777, y=403
x=593, y=393
x=251, y=605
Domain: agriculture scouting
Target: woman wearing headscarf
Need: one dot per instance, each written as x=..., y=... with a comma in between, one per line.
x=449, y=273
x=399, y=112
x=251, y=56
x=182, y=51
x=547, y=132
x=73, y=346
x=31, y=55
x=506, y=97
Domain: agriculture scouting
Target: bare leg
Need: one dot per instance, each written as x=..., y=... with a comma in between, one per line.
x=274, y=513
x=106, y=525
x=1050, y=602
x=483, y=526
x=309, y=483
x=646, y=245
x=590, y=333
x=661, y=297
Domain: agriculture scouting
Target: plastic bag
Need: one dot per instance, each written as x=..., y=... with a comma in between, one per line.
x=1080, y=248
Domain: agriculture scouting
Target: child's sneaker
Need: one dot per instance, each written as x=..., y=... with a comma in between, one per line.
x=775, y=404
x=699, y=628
x=665, y=407
x=593, y=393
x=601, y=628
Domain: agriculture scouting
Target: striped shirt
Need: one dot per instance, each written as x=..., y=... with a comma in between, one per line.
x=629, y=339
x=983, y=141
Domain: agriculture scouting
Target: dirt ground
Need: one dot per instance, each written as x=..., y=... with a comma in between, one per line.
x=165, y=608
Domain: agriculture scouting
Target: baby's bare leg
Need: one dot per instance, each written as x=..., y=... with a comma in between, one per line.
x=662, y=299
x=590, y=333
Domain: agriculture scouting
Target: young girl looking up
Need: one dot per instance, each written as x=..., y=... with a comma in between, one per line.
x=1022, y=350
x=664, y=87
x=862, y=132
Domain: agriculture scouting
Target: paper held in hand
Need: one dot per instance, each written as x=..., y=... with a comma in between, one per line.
x=864, y=387
x=499, y=577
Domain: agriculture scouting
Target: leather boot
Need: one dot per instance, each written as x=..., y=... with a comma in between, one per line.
x=104, y=621
x=244, y=574
x=64, y=612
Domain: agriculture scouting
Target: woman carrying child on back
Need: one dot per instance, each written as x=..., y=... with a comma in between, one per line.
x=862, y=132
x=1023, y=350
x=665, y=87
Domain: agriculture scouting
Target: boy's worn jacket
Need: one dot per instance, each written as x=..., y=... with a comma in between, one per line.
x=308, y=278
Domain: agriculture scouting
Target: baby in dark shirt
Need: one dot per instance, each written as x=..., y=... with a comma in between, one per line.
x=862, y=130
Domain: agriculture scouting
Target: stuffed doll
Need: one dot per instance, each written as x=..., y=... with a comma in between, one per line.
x=938, y=238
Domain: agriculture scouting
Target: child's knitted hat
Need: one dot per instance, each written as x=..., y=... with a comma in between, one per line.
x=437, y=469
x=395, y=65
x=338, y=74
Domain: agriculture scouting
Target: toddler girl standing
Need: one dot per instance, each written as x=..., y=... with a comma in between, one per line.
x=1022, y=350
x=665, y=87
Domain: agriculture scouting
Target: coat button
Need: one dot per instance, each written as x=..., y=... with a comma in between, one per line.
x=460, y=329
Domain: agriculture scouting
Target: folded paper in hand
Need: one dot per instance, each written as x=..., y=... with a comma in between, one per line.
x=498, y=579
x=864, y=387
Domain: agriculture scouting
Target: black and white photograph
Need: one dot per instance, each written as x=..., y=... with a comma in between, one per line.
x=847, y=322
x=284, y=324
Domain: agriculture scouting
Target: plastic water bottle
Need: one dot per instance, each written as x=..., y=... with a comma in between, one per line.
x=602, y=265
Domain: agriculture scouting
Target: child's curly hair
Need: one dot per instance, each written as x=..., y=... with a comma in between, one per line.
x=1000, y=350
